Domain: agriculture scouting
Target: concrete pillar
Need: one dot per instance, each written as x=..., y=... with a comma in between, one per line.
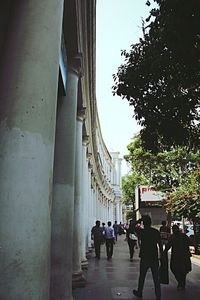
x=97, y=203
x=84, y=203
x=90, y=207
x=63, y=192
x=28, y=84
x=120, y=212
x=106, y=208
x=102, y=207
x=119, y=172
x=78, y=279
x=111, y=210
x=94, y=202
x=117, y=212
x=87, y=206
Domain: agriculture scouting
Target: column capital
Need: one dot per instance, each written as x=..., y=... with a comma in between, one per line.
x=81, y=114
x=86, y=140
x=89, y=157
x=90, y=166
x=75, y=64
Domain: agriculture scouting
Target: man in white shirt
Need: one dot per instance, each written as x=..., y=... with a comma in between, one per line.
x=110, y=240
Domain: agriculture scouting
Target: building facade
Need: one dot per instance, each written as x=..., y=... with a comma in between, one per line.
x=56, y=174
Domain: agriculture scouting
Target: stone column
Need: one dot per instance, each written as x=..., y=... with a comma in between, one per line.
x=28, y=84
x=90, y=207
x=94, y=199
x=107, y=209
x=84, y=203
x=102, y=208
x=117, y=211
x=112, y=208
x=119, y=172
x=120, y=211
x=97, y=202
x=63, y=190
x=78, y=279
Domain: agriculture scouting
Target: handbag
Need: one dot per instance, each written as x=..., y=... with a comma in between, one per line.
x=132, y=236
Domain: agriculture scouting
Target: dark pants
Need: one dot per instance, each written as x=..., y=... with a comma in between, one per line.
x=97, y=247
x=181, y=278
x=131, y=245
x=154, y=266
x=109, y=247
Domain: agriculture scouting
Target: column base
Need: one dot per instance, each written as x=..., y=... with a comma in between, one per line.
x=78, y=280
x=89, y=253
x=84, y=264
x=90, y=249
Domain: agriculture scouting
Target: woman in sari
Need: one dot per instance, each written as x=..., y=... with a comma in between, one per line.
x=180, y=262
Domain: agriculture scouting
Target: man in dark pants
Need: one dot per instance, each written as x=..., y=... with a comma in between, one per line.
x=115, y=227
x=110, y=240
x=164, y=233
x=97, y=236
x=150, y=238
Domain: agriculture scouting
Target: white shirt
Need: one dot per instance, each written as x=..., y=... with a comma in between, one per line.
x=109, y=232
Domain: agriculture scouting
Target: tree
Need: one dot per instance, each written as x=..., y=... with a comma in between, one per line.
x=161, y=74
x=165, y=169
x=175, y=171
x=129, y=184
x=185, y=200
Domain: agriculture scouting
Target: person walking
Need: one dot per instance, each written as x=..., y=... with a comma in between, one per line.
x=97, y=237
x=164, y=233
x=131, y=238
x=103, y=232
x=115, y=227
x=120, y=228
x=180, y=262
x=138, y=228
x=150, y=240
x=110, y=240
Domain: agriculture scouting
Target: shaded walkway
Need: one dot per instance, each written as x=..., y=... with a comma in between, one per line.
x=115, y=280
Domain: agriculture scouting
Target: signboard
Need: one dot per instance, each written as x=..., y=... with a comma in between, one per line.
x=148, y=193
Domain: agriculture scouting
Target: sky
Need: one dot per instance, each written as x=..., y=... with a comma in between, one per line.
x=118, y=25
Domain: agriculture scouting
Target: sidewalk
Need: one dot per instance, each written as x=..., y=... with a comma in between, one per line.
x=115, y=280
x=196, y=259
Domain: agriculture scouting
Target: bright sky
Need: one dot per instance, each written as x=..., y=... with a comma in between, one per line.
x=118, y=26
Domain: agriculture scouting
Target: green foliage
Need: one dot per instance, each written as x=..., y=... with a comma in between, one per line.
x=165, y=169
x=129, y=215
x=129, y=184
x=185, y=200
x=161, y=74
x=175, y=171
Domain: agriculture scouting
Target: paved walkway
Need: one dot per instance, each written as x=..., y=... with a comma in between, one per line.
x=115, y=280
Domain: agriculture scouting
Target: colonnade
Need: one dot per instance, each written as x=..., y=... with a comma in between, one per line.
x=56, y=174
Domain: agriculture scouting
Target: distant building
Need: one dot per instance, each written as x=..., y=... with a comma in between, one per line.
x=148, y=201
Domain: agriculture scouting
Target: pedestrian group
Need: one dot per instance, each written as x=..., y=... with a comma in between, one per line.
x=141, y=235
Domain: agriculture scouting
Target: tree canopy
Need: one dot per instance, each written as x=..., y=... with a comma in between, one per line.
x=166, y=169
x=175, y=172
x=185, y=200
x=161, y=74
x=129, y=184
